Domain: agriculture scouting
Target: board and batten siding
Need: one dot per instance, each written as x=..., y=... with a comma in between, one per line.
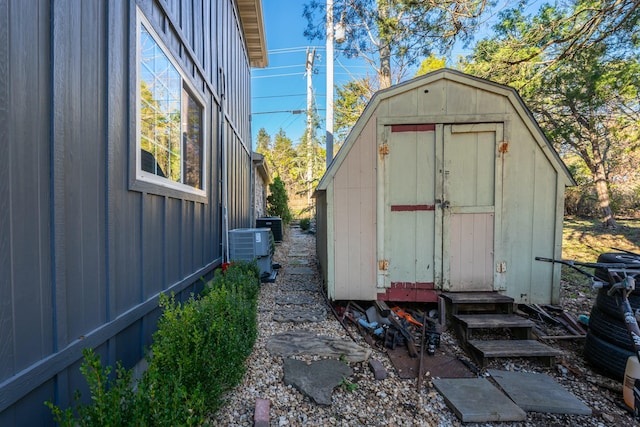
x=83, y=254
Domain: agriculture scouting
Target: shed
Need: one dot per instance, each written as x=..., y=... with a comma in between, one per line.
x=445, y=183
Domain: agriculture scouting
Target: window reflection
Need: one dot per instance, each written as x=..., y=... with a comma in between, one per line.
x=170, y=118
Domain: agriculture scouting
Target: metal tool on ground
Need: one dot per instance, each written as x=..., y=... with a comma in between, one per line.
x=411, y=346
x=404, y=315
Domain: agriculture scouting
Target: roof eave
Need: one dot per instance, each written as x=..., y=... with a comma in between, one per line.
x=252, y=20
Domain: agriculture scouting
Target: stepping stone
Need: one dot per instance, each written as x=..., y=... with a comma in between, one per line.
x=477, y=400
x=295, y=299
x=300, y=270
x=300, y=315
x=299, y=261
x=298, y=254
x=538, y=393
x=316, y=380
x=303, y=342
x=304, y=286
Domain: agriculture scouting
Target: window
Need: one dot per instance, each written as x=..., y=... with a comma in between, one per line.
x=170, y=120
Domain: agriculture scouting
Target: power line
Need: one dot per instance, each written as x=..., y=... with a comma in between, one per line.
x=278, y=75
x=286, y=96
x=279, y=67
x=279, y=112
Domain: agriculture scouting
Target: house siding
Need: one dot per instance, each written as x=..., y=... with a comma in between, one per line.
x=83, y=256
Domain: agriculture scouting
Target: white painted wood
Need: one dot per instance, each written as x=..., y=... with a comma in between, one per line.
x=410, y=238
x=469, y=180
x=354, y=249
x=500, y=177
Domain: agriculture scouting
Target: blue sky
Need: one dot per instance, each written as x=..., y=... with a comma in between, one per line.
x=281, y=87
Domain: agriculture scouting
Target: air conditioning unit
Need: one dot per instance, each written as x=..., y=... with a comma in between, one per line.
x=249, y=244
x=274, y=223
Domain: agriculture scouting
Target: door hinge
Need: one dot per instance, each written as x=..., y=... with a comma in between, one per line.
x=504, y=147
x=383, y=265
x=501, y=267
x=383, y=150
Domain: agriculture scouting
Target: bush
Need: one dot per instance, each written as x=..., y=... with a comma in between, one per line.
x=278, y=201
x=305, y=224
x=198, y=354
x=115, y=403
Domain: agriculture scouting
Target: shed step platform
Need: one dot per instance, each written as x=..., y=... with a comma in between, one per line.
x=484, y=350
x=468, y=322
x=468, y=302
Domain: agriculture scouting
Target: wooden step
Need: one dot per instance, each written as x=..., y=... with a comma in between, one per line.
x=477, y=297
x=519, y=325
x=488, y=349
x=466, y=302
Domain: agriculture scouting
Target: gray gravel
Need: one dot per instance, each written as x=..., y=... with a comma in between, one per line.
x=393, y=401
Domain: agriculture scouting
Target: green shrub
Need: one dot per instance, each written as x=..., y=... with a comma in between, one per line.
x=305, y=224
x=278, y=201
x=197, y=355
x=115, y=403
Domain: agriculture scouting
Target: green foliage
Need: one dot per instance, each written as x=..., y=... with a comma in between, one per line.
x=114, y=402
x=392, y=36
x=278, y=201
x=348, y=385
x=351, y=100
x=305, y=224
x=579, y=76
x=431, y=63
x=198, y=354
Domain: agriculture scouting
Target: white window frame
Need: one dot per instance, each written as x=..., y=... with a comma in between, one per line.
x=146, y=181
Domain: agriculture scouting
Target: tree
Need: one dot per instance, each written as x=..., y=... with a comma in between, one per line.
x=430, y=64
x=299, y=167
x=351, y=100
x=278, y=201
x=586, y=100
x=392, y=35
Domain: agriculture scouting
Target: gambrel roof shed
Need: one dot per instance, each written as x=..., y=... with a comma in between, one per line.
x=445, y=183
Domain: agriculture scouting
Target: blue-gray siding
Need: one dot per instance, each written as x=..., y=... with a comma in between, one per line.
x=82, y=256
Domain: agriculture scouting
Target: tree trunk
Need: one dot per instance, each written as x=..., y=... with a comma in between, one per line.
x=603, y=199
x=602, y=188
x=384, y=72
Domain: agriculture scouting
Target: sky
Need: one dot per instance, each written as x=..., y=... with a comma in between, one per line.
x=280, y=88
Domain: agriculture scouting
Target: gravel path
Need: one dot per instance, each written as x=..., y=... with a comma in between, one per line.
x=393, y=401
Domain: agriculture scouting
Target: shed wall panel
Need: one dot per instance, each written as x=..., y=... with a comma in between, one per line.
x=461, y=99
x=354, y=216
x=404, y=105
x=432, y=99
x=322, y=235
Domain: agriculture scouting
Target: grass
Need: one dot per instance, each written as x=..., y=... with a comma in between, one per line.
x=584, y=239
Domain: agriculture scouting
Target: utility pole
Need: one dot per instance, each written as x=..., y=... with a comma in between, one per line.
x=311, y=54
x=329, y=116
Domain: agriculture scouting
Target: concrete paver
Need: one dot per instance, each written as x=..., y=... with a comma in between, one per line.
x=477, y=400
x=538, y=393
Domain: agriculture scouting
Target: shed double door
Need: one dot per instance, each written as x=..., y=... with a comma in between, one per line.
x=441, y=188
